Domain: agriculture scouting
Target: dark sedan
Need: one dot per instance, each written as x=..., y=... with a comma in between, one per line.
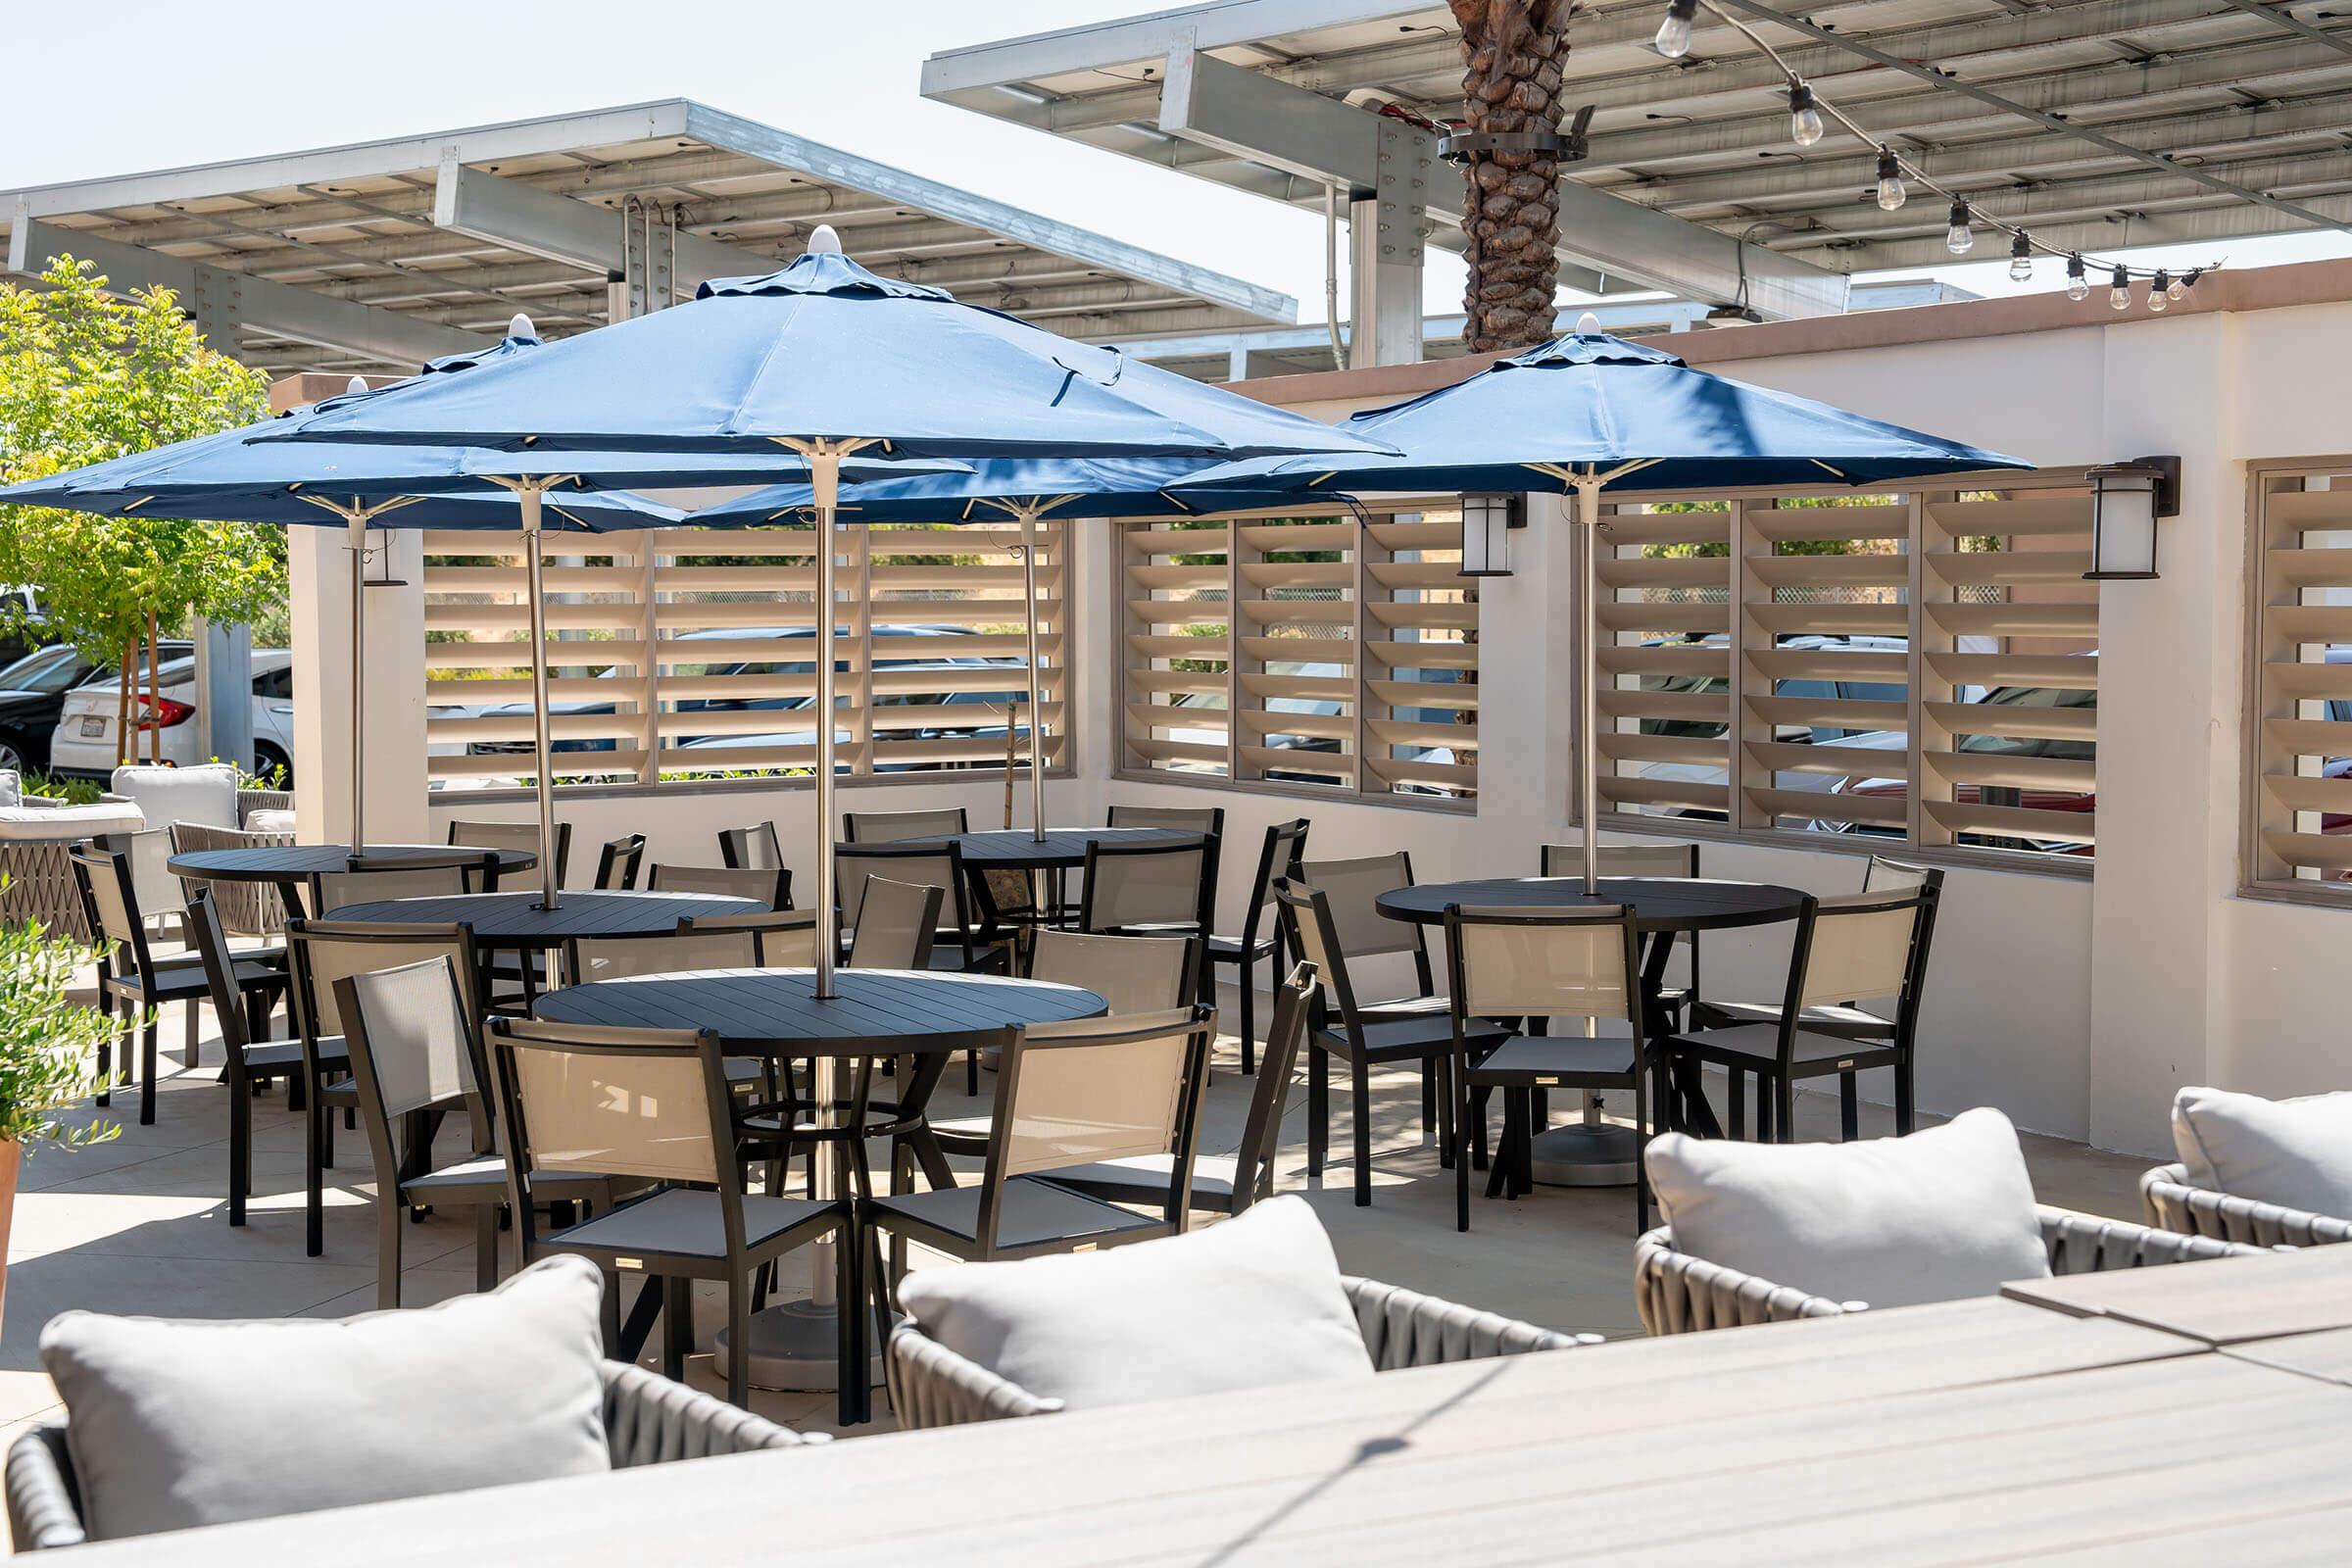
x=32, y=692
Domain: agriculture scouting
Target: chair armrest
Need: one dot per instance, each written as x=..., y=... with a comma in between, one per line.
x=650, y=1420
x=2173, y=1204
x=43, y=802
x=1678, y=1293
x=2083, y=1243
x=1403, y=1328
x=44, y=1506
x=931, y=1386
x=252, y=800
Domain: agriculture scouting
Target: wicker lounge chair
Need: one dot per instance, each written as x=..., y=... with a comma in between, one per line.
x=2173, y=1204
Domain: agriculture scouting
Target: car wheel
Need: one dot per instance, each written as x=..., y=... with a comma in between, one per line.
x=14, y=757
x=270, y=764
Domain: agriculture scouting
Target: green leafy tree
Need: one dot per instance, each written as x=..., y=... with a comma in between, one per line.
x=86, y=375
x=49, y=1043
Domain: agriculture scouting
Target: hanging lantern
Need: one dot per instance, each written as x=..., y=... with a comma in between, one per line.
x=1487, y=523
x=2127, y=498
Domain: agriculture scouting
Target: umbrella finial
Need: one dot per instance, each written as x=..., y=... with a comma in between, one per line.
x=359, y=383
x=1587, y=323
x=823, y=242
x=522, y=327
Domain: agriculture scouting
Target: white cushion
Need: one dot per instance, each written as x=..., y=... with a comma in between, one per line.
x=2293, y=1153
x=205, y=795
x=175, y=1424
x=12, y=788
x=269, y=820
x=32, y=823
x=1253, y=1302
x=1944, y=1213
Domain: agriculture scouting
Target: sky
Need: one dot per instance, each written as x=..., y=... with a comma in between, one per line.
x=138, y=85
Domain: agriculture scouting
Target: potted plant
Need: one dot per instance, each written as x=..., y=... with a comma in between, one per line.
x=48, y=1057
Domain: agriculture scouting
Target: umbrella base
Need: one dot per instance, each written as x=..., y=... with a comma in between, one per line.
x=1585, y=1154
x=795, y=1348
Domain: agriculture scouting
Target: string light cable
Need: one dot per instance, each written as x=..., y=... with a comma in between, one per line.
x=1896, y=174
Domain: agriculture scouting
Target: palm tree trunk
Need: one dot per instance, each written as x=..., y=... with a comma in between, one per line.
x=1512, y=55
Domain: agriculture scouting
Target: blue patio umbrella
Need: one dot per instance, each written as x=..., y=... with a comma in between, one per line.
x=828, y=360
x=1587, y=412
x=1025, y=490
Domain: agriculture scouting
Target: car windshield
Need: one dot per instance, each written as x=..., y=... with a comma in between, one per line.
x=50, y=669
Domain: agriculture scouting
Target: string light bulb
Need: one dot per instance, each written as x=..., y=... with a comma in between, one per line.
x=1804, y=120
x=1892, y=195
x=1959, y=237
x=2078, y=282
x=2020, y=259
x=1673, y=34
x=2179, y=285
x=2160, y=291
x=2119, y=290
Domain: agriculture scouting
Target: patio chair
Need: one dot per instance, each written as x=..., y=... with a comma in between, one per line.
x=2266, y=1172
x=250, y=910
x=253, y=1062
x=38, y=838
x=370, y=878
x=1361, y=1037
x=1848, y=949
x=895, y=923
x=770, y=939
x=617, y=861
x=646, y=1419
x=134, y=980
x=1207, y=821
x=1067, y=1094
x=414, y=1056
x=1352, y=888
x=1277, y=857
x=520, y=837
x=1641, y=860
x=1223, y=1184
x=770, y=887
x=1154, y=890
x=1577, y=967
x=892, y=827
x=203, y=795
x=654, y=1104
x=323, y=953
x=1272, y=1299
x=1881, y=875
x=754, y=846
x=959, y=944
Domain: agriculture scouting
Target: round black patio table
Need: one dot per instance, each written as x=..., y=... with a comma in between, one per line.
x=1595, y=1152
x=292, y=866
x=1062, y=849
x=873, y=1014
x=516, y=920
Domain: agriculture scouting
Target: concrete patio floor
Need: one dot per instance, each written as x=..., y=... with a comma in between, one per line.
x=139, y=1225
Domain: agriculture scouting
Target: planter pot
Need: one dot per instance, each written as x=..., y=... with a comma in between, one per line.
x=11, y=1159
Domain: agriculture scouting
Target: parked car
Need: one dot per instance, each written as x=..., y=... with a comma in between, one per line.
x=22, y=628
x=32, y=693
x=83, y=743
x=984, y=710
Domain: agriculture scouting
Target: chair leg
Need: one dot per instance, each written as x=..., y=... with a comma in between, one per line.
x=1784, y=1110
x=1429, y=1104
x=1499, y=1170
x=240, y=1148
x=189, y=1060
x=972, y=1074
x=848, y=1290
x=314, y=1181
x=1318, y=1106
x=148, y=1034
x=1735, y=1120
x=1247, y=970
x=1480, y=1096
x=1904, y=1105
x=677, y=1338
x=1459, y=1113
x=390, y=1220
x=1850, y=1111
x=485, y=1246
x=610, y=1310
x=105, y=1051
x=739, y=1343
x=1359, y=1082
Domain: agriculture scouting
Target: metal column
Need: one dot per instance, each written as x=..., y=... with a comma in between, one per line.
x=1385, y=229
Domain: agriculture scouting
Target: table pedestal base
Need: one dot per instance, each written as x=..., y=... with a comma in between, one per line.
x=795, y=1348
x=1586, y=1154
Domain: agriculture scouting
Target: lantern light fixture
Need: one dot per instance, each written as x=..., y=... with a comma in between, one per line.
x=2126, y=499
x=1488, y=520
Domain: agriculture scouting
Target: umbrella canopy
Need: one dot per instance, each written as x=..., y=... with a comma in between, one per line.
x=822, y=351
x=1591, y=403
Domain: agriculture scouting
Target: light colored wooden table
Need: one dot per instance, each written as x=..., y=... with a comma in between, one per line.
x=2222, y=1303
x=1973, y=1432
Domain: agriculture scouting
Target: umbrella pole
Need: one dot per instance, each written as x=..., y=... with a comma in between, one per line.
x=1587, y=768
x=535, y=569
x=1036, y=711
x=824, y=478
x=356, y=524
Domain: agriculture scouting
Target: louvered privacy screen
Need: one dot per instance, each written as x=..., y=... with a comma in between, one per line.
x=687, y=653
x=1912, y=667
x=2299, y=799
x=1347, y=650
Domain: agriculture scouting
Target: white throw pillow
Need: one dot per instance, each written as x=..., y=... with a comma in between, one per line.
x=1945, y=1213
x=204, y=792
x=1251, y=1302
x=175, y=1424
x=2296, y=1154
x=12, y=786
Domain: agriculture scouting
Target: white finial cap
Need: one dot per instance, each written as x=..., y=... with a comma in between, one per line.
x=824, y=242
x=1587, y=323
x=359, y=383
x=522, y=326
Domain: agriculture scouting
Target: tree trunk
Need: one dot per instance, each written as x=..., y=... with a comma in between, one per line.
x=125, y=683
x=1512, y=55
x=155, y=693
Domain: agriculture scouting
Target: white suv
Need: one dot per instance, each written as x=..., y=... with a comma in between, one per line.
x=85, y=744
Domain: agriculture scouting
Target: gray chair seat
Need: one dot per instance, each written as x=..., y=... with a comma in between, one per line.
x=1143, y=1179
x=1385, y=1039
x=1749, y=1043
x=1035, y=1213
x=682, y=1223
x=1231, y=950
x=1526, y=1061
x=1852, y=1023
x=483, y=1180
x=274, y=1056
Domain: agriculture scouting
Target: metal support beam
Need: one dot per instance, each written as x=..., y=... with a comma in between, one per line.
x=292, y=313
x=587, y=235
x=216, y=303
x=1236, y=112
x=1385, y=227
